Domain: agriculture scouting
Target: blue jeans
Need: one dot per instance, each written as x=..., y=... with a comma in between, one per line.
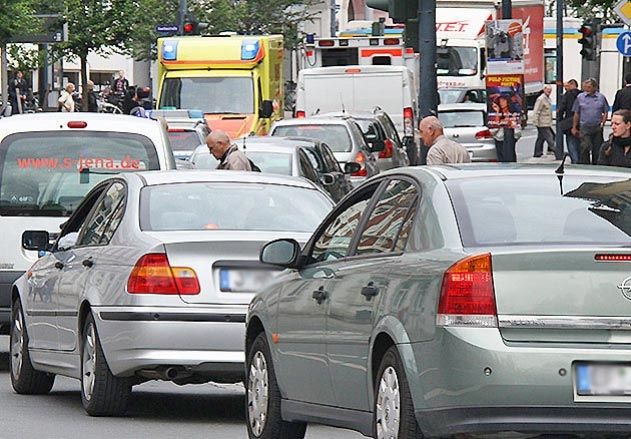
x=573, y=146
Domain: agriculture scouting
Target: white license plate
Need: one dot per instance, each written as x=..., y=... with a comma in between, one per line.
x=603, y=379
x=244, y=281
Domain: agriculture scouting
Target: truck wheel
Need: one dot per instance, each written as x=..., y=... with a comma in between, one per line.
x=102, y=394
x=24, y=378
x=394, y=410
x=262, y=400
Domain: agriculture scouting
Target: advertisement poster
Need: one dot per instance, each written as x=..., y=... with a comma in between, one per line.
x=505, y=100
x=532, y=29
x=504, y=47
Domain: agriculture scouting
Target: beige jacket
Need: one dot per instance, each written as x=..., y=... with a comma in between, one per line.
x=444, y=150
x=66, y=102
x=234, y=160
x=542, y=113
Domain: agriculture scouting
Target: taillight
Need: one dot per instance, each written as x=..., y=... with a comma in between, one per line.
x=408, y=122
x=391, y=41
x=387, y=150
x=484, y=134
x=153, y=274
x=467, y=297
x=361, y=159
x=300, y=114
x=326, y=43
x=77, y=124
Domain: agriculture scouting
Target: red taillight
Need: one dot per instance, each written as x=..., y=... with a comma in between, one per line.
x=361, y=159
x=326, y=43
x=391, y=41
x=77, y=124
x=300, y=114
x=387, y=150
x=612, y=258
x=176, y=130
x=408, y=122
x=484, y=134
x=408, y=113
x=467, y=297
x=153, y=274
x=353, y=70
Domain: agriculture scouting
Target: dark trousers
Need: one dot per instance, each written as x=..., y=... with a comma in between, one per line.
x=544, y=134
x=573, y=147
x=591, y=138
x=506, y=150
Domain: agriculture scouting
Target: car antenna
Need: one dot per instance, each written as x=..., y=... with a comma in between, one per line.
x=342, y=101
x=560, y=171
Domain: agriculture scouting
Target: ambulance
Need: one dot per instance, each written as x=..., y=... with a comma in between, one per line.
x=235, y=80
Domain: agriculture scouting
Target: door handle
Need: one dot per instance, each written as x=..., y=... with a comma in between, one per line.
x=88, y=262
x=320, y=295
x=59, y=265
x=370, y=290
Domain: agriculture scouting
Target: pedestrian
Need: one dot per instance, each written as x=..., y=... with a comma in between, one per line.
x=228, y=154
x=566, y=117
x=66, y=102
x=121, y=84
x=622, y=101
x=617, y=150
x=441, y=149
x=93, y=104
x=17, y=93
x=542, y=119
x=505, y=155
x=590, y=114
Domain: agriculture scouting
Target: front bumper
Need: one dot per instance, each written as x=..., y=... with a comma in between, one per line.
x=471, y=380
x=7, y=278
x=207, y=342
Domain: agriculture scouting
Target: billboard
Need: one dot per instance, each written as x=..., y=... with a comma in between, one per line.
x=504, y=43
x=532, y=28
x=505, y=100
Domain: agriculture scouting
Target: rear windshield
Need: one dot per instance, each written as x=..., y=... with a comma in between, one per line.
x=231, y=206
x=336, y=136
x=184, y=140
x=530, y=210
x=448, y=96
x=39, y=172
x=456, y=119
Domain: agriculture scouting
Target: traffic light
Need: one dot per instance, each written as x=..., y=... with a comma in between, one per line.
x=191, y=26
x=588, y=41
x=401, y=11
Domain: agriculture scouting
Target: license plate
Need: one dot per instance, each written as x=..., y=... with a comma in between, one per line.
x=244, y=281
x=603, y=379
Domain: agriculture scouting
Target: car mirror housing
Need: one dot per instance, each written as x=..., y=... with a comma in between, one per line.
x=351, y=167
x=68, y=241
x=327, y=179
x=266, y=110
x=38, y=240
x=281, y=252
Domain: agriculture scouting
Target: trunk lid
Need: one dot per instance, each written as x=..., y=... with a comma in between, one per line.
x=563, y=295
x=226, y=263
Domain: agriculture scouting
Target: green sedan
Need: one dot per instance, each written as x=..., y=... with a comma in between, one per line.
x=451, y=299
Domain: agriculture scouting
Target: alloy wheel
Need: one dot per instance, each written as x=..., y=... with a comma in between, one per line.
x=17, y=344
x=89, y=362
x=388, y=407
x=258, y=393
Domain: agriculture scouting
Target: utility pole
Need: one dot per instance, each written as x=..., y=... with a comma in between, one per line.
x=428, y=94
x=559, y=79
x=183, y=8
x=4, y=74
x=510, y=155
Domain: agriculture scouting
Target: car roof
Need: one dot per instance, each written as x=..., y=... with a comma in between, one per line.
x=151, y=178
x=354, y=114
x=285, y=142
x=314, y=120
x=462, y=106
x=363, y=68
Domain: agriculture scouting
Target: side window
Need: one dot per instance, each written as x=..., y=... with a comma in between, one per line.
x=391, y=130
x=95, y=232
x=387, y=218
x=331, y=163
x=313, y=159
x=335, y=241
x=306, y=168
x=78, y=219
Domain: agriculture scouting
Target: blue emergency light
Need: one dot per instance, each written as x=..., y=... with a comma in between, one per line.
x=169, y=50
x=249, y=49
x=196, y=114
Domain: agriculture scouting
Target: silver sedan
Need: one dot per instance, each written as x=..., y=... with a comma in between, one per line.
x=150, y=279
x=466, y=124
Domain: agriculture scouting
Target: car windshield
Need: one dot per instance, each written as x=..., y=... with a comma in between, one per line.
x=39, y=172
x=184, y=140
x=456, y=119
x=449, y=96
x=335, y=136
x=211, y=95
x=457, y=61
x=531, y=210
x=231, y=206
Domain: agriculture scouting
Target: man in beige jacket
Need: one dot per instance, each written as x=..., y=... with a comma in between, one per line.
x=229, y=156
x=441, y=149
x=542, y=119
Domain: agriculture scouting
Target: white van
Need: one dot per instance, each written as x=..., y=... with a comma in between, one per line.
x=360, y=88
x=49, y=161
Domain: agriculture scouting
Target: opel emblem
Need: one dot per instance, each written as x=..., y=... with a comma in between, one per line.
x=625, y=288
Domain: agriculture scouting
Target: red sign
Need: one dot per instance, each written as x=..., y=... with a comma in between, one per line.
x=532, y=19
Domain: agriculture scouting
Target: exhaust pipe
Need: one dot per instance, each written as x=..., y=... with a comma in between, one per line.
x=168, y=373
x=171, y=373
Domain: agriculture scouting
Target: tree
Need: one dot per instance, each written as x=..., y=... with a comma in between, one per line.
x=16, y=16
x=142, y=42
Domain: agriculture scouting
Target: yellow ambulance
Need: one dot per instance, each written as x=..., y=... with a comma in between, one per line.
x=235, y=80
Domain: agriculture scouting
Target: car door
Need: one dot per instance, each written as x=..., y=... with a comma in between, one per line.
x=95, y=233
x=358, y=286
x=342, y=184
x=302, y=306
x=399, y=155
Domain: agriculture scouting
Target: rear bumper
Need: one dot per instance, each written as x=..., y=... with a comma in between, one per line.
x=6, y=283
x=207, y=342
x=483, y=151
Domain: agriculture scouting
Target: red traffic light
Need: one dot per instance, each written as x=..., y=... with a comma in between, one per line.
x=587, y=31
x=188, y=28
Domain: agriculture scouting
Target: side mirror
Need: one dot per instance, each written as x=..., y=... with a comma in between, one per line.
x=38, y=240
x=266, y=110
x=352, y=167
x=327, y=179
x=377, y=146
x=68, y=241
x=281, y=252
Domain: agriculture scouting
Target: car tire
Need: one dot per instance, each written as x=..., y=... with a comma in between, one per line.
x=262, y=397
x=24, y=378
x=393, y=408
x=102, y=393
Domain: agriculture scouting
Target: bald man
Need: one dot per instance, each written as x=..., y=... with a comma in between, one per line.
x=229, y=156
x=441, y=149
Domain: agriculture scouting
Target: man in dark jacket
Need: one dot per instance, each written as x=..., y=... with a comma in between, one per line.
x=229, y=156
x=565, y=114
x=623, y=96
x=17, y=93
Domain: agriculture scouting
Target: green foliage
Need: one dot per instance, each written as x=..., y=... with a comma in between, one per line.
x=594, y=9
x=15, y=17
x=24, y=59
